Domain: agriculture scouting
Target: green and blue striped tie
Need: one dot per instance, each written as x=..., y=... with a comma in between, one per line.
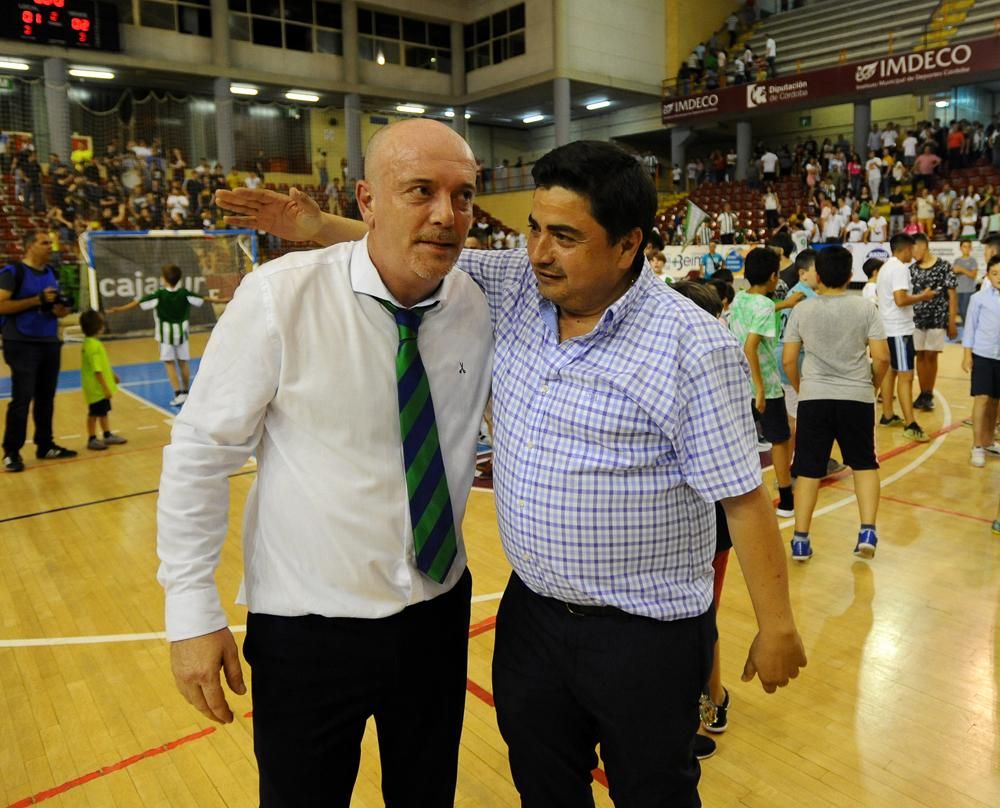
x=431, y=514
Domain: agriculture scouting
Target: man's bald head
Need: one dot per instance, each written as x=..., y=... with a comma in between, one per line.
x=404, y=140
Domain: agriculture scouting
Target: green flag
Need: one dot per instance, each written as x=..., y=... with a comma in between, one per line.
x=692, y=221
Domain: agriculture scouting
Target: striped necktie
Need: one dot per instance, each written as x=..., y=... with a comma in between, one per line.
x=431, y=515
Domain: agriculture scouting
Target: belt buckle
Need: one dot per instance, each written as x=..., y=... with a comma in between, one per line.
x=569, y=608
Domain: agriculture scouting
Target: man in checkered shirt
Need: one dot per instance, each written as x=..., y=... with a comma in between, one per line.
x=620, y=415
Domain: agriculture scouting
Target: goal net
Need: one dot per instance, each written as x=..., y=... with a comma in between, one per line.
x=124, y=265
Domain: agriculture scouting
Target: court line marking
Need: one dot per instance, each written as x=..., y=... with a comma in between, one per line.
x=96, y=639
x=34, y=799
x=148, y=403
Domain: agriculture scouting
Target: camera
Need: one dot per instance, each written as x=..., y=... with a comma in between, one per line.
x=60, y=300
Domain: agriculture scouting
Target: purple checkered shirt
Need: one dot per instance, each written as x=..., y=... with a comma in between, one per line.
x=611, y=448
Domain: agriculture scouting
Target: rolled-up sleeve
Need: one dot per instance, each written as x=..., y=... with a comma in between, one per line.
x=213, y=436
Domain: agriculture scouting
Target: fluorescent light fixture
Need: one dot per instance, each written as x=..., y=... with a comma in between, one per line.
x=91, y=73
x=296, y=95
x=380, y=58
x=599, y=104
x=412, y=109
x=10, y=64
x=242, y=89
x=468, y=115
x=941, y=104
x=532, y=118
x=449, y=113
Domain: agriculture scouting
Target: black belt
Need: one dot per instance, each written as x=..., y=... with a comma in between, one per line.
x=580, y=610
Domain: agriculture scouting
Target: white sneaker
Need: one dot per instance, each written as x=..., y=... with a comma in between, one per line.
x=978, y=458
x=993, y=448
x=179, y=399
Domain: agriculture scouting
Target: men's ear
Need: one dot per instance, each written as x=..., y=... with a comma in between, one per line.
x=630, y=243
x=366, y=202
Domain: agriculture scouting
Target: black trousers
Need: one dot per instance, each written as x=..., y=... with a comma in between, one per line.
x=34, y=374
x=565, y=683
x=316, y=681
x=726, y=238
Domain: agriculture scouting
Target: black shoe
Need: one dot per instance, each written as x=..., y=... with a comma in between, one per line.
x=13, y=462
x=925, y=401
x=55, y=452
x=703, y=747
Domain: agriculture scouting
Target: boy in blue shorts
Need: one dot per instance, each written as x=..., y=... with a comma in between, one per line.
x=836, y=393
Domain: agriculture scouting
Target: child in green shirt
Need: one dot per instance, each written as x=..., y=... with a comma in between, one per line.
x=99, y=382
x=753, y=322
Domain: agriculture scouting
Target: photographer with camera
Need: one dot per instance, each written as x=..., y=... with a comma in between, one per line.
x=30, y=308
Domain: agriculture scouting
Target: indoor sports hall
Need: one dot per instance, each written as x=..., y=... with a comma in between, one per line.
x=121, y=119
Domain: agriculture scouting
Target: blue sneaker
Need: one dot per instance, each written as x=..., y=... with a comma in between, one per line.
x=865, y=548
x=801, y=550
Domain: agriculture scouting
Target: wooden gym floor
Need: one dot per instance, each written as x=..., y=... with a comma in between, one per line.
x=898, y=706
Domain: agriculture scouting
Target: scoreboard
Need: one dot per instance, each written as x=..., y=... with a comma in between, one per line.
x=75, y=24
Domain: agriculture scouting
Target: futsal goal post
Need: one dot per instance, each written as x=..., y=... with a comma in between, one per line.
x=122, y=265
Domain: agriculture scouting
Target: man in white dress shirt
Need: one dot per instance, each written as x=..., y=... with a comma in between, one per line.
x=301, y=372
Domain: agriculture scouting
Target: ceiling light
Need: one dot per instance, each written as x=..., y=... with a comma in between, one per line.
x=242, y=89
x=296, y=95
x=599, y=104
x=91, y=73
x=468, y=115
x=10, y=64
x=941, y=104
x=380, y=58
x=412, y=109
x=449, y=113
x=532, y=118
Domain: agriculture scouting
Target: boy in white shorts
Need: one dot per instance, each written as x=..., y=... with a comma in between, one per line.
x=171, y=307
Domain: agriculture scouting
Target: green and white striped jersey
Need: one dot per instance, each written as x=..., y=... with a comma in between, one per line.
x=171, y=307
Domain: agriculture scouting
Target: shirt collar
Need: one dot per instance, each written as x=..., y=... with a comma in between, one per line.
x=616, y=311
x=365, y=279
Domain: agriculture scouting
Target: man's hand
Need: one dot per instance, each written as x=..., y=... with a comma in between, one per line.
x=60, y=311
x=928, y=294
x=196, y=663
x=967, y=362
x=295, y=216
x=952, y=330
x=47, y=296
x=760, y=401
x=775, y=658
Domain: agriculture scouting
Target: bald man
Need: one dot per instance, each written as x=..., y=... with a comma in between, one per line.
x=357, y=375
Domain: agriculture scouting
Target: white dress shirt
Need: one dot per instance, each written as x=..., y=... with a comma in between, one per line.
x=300, y=370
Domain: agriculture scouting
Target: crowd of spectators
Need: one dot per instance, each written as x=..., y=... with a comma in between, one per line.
x=902, y=184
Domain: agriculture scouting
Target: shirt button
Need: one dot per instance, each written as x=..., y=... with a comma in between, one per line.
x=545, y=388
x=526, y=556
x=520, y=503
x=531, y=444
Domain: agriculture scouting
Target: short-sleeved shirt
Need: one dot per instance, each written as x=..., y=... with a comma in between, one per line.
x=783, y=316
x=171, y=309
x=95, y=360
x=33, y=325
x=754, y=314
x=712, y=262
x=932, y=313
x=965, y=284
x=894, y=276
x=834, y=331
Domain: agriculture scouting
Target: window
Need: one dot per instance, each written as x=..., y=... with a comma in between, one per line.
x=392, y=39
x=313, y=26
x=494, y=39
x=184, y=16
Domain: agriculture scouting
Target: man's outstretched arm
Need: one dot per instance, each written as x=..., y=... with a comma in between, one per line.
x=294, y=216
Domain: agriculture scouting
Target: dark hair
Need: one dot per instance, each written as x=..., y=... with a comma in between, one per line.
x=621, y=193
x=834, y=266
x=900, y=241
x=992, y=263
x=761, y=263
x=91, y=322
x=655, y=239
x=171, y=274
x=702, y=294
x=920, y=238
x=30, y=237
x=805, y=259
x=724, y=275
x=724, y=290
x=871, y=266
x=993, y=241
x=774, y=243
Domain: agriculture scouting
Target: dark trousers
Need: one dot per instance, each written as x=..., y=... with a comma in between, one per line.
x=34, y=374
x=316, y=681
x=726, y=238
x=565, y=683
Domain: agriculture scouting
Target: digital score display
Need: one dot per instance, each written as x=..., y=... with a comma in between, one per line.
x=84, y=24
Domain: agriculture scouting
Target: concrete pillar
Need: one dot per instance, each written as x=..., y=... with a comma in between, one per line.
x=225, y=140
x=744, y=149
x=862, y=126
x=349, y=21
x=680, y=136
x=352, y=123
x=459, y=124
x=56, y=110
x=560, y=90
x=220, y=33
